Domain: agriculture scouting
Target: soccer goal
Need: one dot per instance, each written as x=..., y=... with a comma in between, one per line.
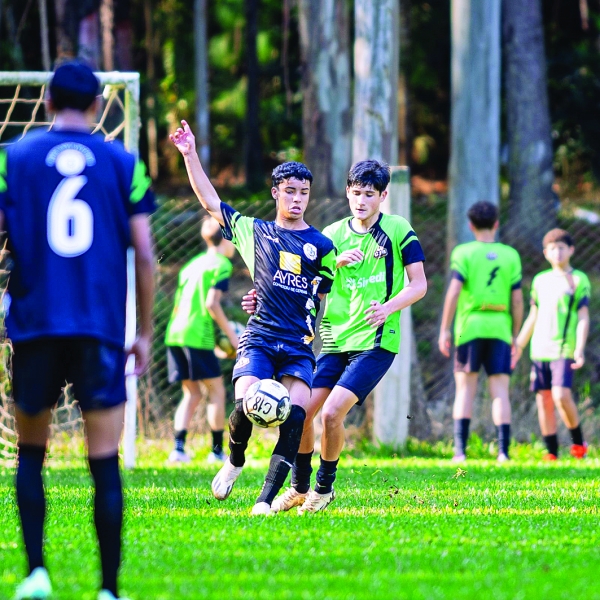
x=22, y=109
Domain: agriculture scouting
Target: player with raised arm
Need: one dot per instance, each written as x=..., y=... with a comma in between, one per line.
x=71, y=205
x=485, y=294
x=190, y=339
x=360, y=328
x=292, y=266
x=557, y=325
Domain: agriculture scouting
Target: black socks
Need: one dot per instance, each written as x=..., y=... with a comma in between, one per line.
x=503, y=438
x=301, y=472
x=31, y=501
x=108, y=516
x=217, y=441
x=180, y=440
x=576, y=435
x=326, y=476
x=461, y=435
x=240, y=430
x=551, y=442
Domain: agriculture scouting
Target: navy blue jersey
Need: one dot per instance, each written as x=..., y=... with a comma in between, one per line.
x=67, y=197
x=290, y=268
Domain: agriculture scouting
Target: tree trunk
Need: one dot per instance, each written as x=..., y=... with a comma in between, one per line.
x=89, y=39
x=65, y=41
x=532, y=203
x=151, y=127
x=253, y=150
x=201, y=81
x=123, y=34
x=376, y=67
x=45, y=37
x=326, y=103
x=475, y=118
x=108, y=42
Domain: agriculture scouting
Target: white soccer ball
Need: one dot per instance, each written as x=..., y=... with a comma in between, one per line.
x=267, y=403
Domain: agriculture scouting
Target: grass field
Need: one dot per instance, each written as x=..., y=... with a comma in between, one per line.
x=400, y=528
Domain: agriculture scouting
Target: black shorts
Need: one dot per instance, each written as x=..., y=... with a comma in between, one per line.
x=41, y=368
x=548, y=373
x=191, y=363
x=358, y=371
x=491, y=353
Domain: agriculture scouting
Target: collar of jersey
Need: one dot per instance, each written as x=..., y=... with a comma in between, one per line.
x=368, y=230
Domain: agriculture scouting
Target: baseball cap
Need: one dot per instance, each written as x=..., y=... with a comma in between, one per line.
x=75, y=77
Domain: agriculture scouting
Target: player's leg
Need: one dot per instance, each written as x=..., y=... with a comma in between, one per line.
x=192, y=395
x=215, y=415
x=37, y=378
x=467, y=362
x=541, y=384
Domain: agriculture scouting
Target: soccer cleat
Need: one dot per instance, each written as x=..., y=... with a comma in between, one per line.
x=223, y=482
x=502, y=458
x=178, y=456
x=459, y=458
x=261, y=508
x=314, y=502
x=288, y=500
x=215, y=457
x=550, y=457
x=107, y=595
x=579, y=450
x=35, y=587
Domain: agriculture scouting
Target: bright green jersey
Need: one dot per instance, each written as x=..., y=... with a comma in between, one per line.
x=489, y=272
x=388, y=246
x=557, y=302
x=191, y=324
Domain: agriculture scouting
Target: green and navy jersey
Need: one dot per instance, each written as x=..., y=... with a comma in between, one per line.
x=191, y=325
x=388, y=246
x=489, y=272
x=290, y=268
x=67, y=197
x=554, y=333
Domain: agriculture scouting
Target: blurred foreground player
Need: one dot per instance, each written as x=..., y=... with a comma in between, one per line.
x=71, y=205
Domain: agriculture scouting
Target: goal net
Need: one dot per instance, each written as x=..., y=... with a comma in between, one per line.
x=22, y=109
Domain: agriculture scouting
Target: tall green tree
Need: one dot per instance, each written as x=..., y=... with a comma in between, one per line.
x=253, y=146
x=532, y=205
x=201, y=82
x=475, y=114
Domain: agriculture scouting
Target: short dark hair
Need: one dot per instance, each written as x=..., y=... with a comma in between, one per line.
x=369, y=172
x=483, y=214
x=558, y=235
x=287, y=170
x=73, y=85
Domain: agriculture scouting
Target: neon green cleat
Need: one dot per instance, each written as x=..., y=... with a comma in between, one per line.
x=106, y=595
x=35, y=587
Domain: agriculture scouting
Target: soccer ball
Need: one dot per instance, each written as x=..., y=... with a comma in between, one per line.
x=223, y=342
x=267, y=403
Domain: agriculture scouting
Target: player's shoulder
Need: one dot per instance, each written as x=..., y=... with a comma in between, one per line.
x=319, y=239
x=395, y=224
x=509, y=251
x=581, y=277
x=337, y=228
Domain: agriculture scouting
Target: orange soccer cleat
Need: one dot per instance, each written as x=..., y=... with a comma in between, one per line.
x=579, y=450
x=550, y=456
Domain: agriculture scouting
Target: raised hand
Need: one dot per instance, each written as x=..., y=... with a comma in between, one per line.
x=249, y=302
x=376, y=314
x=349, y=257
x=445, y=342
x=184, y=139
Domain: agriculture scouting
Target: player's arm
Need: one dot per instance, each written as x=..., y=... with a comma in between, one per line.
x=185, y=142
x=448, y=312
x=213, y=305
x=377, y=313
x=581, y=335
x=141, y=240
x=516, y=311
x=524, y=335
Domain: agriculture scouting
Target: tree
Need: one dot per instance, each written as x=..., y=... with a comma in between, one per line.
x=532, y=205
x=376, y=67
x=201, y=81
x=253, y=146
x=326, y=102
x=475, y=112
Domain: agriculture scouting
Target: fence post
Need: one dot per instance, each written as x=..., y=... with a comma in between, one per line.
x=392, y=395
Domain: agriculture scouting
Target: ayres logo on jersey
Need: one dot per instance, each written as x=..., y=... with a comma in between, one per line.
x=288, y=276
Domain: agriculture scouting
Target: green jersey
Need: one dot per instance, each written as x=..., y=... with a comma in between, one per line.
x=191, y=324
x=557, y=302
x=489, y=272
x=388, y=246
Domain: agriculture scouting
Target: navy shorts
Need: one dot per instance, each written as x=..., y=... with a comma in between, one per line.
x=266, y=358
x=491, y=354
x=358, y=371
x=191, y=363
x=41, y=368
x=548, y=373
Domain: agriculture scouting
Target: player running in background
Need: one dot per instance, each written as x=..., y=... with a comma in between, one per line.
x=71, y=205
x=559, y=322
x=190, y=339
x=485, y=293
x=292, y=266
x=360, y=328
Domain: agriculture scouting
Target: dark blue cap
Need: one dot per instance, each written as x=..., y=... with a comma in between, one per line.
x=75, y=77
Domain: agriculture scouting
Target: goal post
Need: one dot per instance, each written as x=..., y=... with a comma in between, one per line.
x=119, y=118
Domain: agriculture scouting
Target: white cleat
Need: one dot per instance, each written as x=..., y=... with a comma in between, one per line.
x=459, y=458
x=288, y=500
x=263, y=509
x=502, y=458
x=216, y=457
x=35, y=587
x=106, y=595
x=178, y=456
x=314, y=502
x=223, y=482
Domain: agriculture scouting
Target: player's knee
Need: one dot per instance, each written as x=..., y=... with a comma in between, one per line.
x=332, y=416
x=295, y=422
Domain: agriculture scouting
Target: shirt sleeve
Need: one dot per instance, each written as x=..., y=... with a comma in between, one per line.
x=458, y=265
x=221, y=277
x=583, y=292
x=3, y=179
x=533, y=299
x=141, y=197
x=236, y=227
x=327, y=271
x=517, y=274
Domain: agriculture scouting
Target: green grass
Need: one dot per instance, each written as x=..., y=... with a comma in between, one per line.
x=400, y=528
